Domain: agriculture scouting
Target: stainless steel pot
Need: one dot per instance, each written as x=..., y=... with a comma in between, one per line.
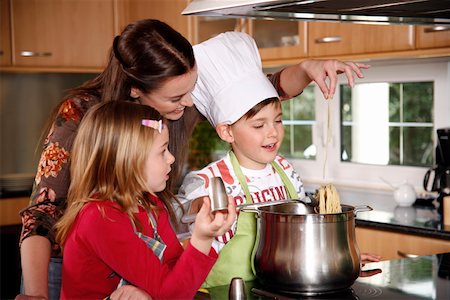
x=306, y=253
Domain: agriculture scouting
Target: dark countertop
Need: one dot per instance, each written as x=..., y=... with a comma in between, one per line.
x=425, y=277
x=422, y=218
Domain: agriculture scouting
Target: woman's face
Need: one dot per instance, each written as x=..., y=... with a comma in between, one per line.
x=174, y=95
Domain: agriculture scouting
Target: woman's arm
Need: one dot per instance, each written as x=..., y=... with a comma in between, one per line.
x=37, y=242
x=295, y=78
x=35, y=257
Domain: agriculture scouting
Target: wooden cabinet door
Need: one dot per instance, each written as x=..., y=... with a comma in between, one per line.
x=168, y=11
x=393, y=245
x=205, y=28
x=279, y=39
x=62, y=33
x=5, y=34
x=328, y=39
x=432, y=37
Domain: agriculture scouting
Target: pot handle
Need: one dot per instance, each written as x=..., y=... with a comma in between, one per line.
x=361, y=208
x=250, y=209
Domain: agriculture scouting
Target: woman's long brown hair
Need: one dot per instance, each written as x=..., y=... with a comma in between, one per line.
x=145, y=55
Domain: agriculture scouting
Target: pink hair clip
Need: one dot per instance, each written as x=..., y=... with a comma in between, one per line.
x=158, y=125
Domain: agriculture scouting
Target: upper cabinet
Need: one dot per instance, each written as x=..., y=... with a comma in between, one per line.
x=195, y=29
x=168, y=11
x=76, y=35
x=61, y=33
x=279, y=39
x=207, y=27
x=432, y=36
x=5, y=34
x=328, y=39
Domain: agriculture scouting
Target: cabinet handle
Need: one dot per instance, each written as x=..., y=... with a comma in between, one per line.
x=1, y=52
x=34, y=54
x=406, y=255
x=436, y=29
x=328, y=39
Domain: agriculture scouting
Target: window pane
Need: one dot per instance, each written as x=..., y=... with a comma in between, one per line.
x=387, y=123
x=418, y=97
x=298, y=119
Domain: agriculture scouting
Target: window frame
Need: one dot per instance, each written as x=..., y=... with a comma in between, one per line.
x=350, y=174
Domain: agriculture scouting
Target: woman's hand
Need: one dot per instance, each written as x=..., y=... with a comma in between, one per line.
x=209, y=225
x=295, y=78
x=26, y=297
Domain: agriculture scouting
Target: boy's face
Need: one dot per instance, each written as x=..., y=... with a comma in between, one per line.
x=256, y=140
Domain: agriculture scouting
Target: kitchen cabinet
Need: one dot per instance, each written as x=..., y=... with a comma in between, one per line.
x=394, y=245
x=5, y=34
x=330, y=39
x=195, y=29
x=61, y=33
x=207, y=27
x=168, y=11
x=432, y=36
x=279, y=39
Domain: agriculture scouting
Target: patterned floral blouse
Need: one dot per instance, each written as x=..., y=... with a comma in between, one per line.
x=48, y=198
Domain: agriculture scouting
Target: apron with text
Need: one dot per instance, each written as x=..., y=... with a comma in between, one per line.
x=235, y=258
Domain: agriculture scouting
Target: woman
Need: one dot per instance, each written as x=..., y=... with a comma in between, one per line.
x=153, y=64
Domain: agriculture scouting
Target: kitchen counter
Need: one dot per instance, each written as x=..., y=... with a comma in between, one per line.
x=421, y=218
x=425, y=277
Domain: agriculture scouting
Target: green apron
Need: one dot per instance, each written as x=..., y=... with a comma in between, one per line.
x=236, y=257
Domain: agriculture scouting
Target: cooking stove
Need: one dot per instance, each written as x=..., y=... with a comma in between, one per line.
x=425, y=277
x=355, y=292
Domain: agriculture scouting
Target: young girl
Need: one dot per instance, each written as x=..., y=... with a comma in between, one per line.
x=117, y=227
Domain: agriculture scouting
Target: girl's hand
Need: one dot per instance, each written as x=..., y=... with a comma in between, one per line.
x=209, y=225
x=129, y=292
x=320, y=70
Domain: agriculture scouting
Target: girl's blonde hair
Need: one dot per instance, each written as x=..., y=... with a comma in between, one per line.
x=108, y=159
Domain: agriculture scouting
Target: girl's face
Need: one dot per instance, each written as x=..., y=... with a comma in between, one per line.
x=159, y=160
x=174, y=95
x=256, y=140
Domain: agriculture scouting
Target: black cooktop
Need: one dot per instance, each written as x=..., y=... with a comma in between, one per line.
x=425, y=277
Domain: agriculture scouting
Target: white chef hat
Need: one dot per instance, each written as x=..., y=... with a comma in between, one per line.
x=230, y=78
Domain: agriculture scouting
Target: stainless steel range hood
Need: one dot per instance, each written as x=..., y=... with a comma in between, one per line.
x=420, y=12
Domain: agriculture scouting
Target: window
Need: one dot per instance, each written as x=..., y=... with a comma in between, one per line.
x=298, y=120
x=403, y=114
x=383, y=128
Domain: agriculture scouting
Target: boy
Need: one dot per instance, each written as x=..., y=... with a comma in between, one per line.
x=241, y=103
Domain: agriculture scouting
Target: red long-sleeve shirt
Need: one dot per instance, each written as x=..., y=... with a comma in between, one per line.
x=102, y=241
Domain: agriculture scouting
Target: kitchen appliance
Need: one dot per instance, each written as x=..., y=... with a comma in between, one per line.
x=306, y=253
x=437, y=178
x=419, y=278
x=426, y=12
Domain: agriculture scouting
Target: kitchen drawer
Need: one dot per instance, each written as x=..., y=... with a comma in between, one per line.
x=329, y=39
x=432, y=36
x=390, y=245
